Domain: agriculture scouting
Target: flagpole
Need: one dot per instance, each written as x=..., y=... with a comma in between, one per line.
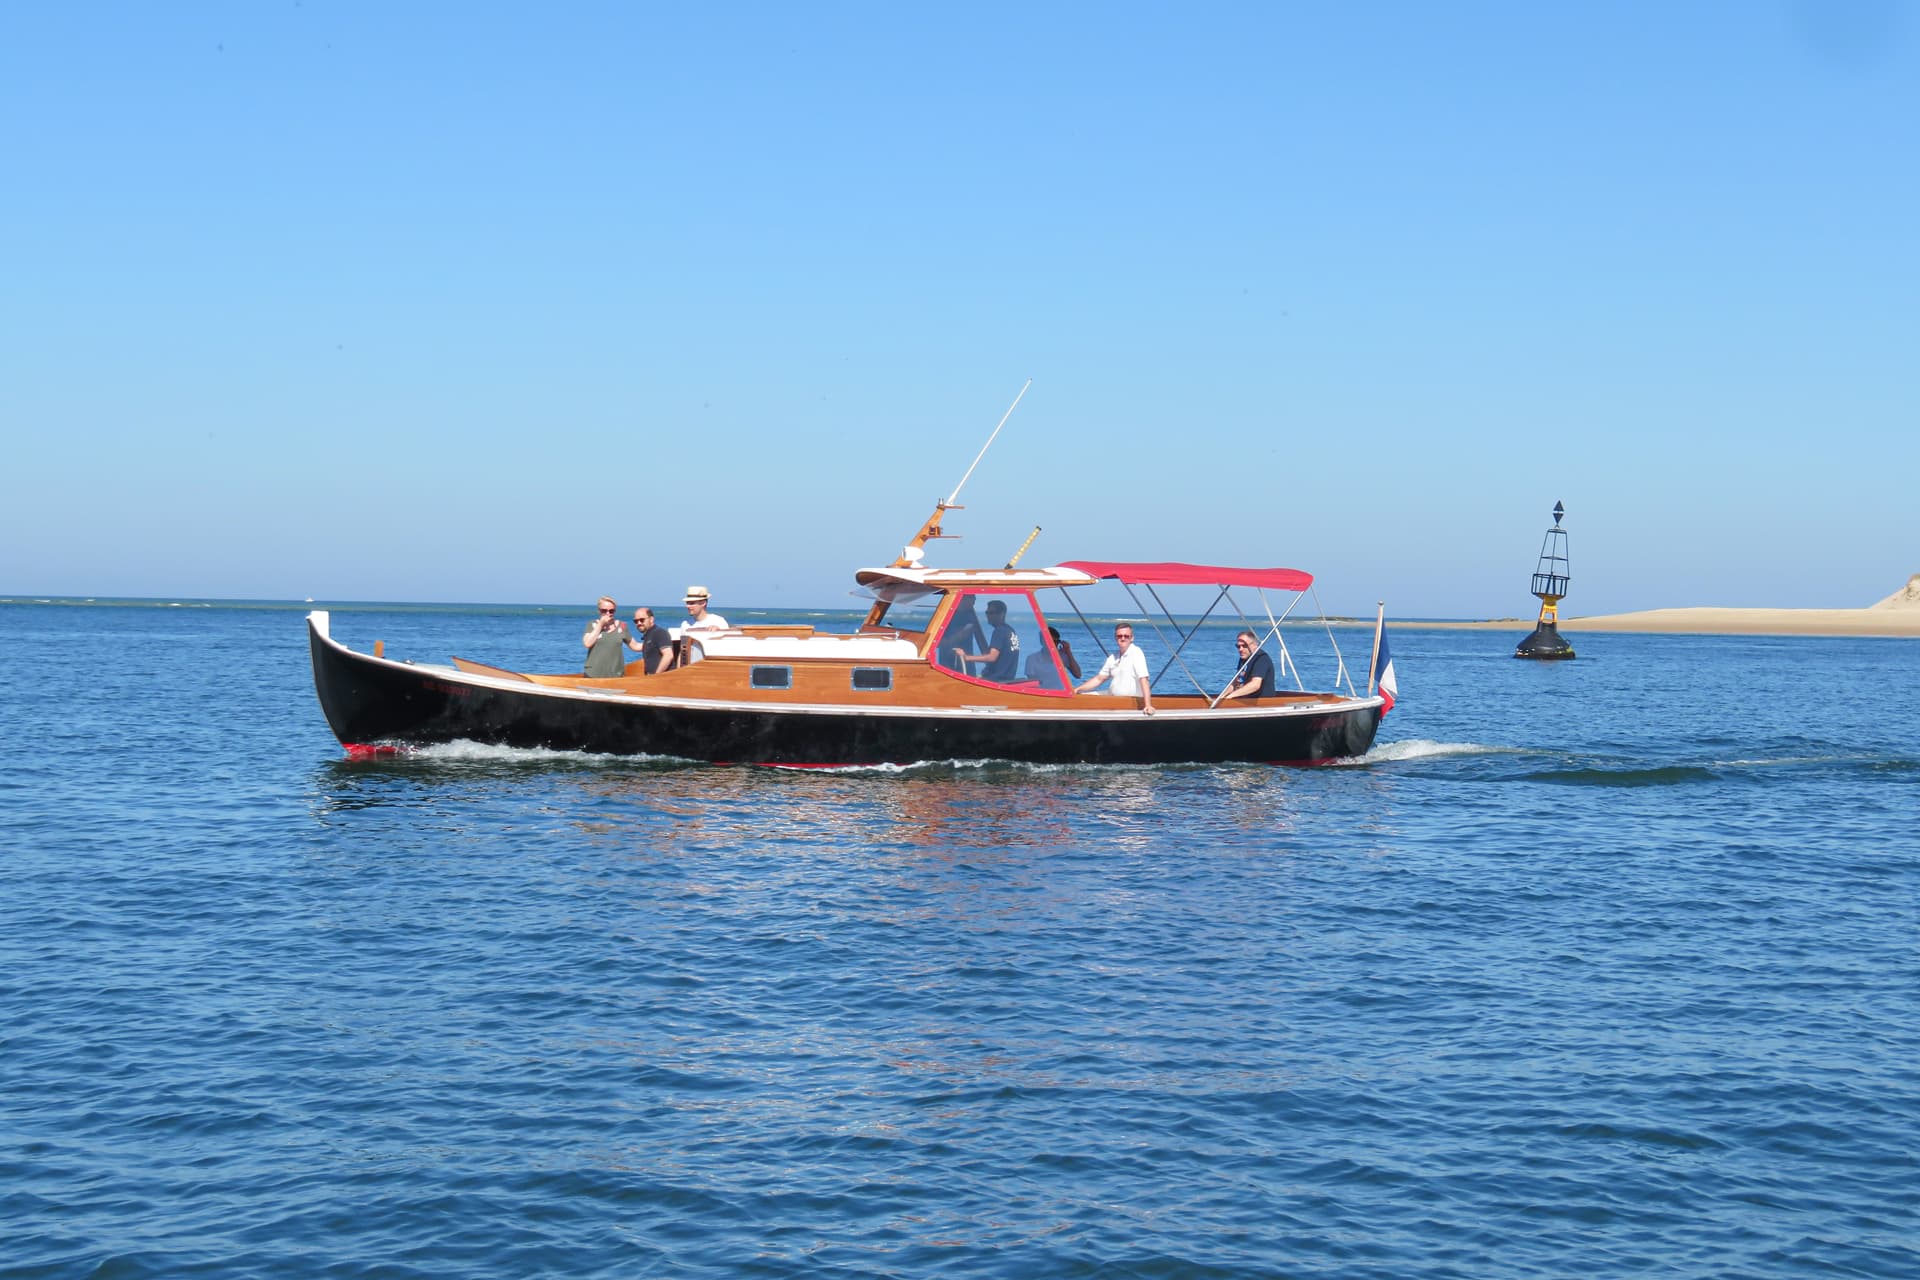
x=1373, y=664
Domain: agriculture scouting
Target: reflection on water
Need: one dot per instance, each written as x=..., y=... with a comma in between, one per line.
x=969, y=848
x=971, y=810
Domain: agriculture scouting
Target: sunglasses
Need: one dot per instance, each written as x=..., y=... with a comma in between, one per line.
x=615, y=609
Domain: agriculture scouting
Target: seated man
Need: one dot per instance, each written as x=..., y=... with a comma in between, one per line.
x=1254, y=678
x=1067, y=659
x=1001, y=661
x=1128, y=668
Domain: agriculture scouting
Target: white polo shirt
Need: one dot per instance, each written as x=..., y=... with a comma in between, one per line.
x=1129, y=671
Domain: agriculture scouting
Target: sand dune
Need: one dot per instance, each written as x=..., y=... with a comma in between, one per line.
x=1877, y=621
x=1907, y=597
x=1897, y=615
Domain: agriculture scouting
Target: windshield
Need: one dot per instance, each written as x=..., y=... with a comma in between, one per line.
x=1000, y=638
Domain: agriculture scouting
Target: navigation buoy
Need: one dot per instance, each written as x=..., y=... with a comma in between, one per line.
x=1550, y=584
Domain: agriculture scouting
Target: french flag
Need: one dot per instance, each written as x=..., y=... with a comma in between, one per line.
x=1383, y=678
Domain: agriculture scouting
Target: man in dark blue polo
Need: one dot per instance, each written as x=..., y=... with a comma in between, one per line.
x=1254, y=679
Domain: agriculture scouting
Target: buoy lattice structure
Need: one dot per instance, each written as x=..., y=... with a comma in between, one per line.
x=1550, y=579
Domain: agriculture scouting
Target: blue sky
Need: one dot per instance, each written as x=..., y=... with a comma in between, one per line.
x=505, y=303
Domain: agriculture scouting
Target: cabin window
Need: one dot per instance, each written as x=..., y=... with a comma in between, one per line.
x=873, y=679
x=771, y=677
x=999, y=637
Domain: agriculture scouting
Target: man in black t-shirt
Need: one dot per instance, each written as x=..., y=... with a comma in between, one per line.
x=656, y=642
x=1001, y=661
x=1003, y=644
x=1254, y=679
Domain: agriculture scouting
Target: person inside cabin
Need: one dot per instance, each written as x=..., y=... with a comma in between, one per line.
x=963, y=635
x=655, y=643
x=1000, y=661
x=699, y=618
x=1066, y=653
x=1126, y=666
x=1003, y=653
x=1254, y=676
x=605, y=637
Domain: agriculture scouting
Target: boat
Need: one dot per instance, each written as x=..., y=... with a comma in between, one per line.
x=880, y=694
x=891, y=691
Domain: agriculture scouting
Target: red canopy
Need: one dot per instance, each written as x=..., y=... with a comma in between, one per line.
x=1172, y=572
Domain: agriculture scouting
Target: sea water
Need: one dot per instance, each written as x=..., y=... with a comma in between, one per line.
x=1596, y=968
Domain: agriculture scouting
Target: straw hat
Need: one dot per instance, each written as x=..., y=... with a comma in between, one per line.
x=696, y=593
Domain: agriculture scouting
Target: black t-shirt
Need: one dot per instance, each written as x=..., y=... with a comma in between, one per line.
x=1007, y=666
x=654, y=646
x=1261, y=666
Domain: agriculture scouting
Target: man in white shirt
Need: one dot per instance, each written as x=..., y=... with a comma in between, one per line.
x=698, y=619
x=1127, y=667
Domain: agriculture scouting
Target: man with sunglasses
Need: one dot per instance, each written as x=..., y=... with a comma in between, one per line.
x=656, y=642
x=1253, y=677
x=1128, y=668
x=605, y=638
x=699, y=618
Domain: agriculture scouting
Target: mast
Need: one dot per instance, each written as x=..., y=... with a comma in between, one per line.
x=912, y=553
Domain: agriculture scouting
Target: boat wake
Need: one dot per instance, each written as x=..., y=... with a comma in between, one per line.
x=1012, y=766
x=1423, y=749
x=465, y=751
x=1678, y=775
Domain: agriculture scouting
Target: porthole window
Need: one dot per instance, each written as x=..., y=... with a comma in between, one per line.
x=873, y=679
x=771, y=678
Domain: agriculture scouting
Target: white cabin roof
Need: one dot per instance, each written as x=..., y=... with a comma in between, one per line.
x=883, y=582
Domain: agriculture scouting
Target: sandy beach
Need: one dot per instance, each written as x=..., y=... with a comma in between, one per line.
x=1897, y=615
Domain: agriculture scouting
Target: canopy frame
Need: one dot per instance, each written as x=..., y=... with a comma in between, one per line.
x=1175, y=573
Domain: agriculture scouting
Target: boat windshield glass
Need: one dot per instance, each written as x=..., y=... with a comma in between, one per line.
x=1000, y=638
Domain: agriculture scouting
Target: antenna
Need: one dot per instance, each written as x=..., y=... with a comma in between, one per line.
x=1023, y=547
x=955, y=495
x=910, y=556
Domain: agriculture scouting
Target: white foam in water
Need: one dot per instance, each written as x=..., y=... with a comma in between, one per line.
x=468, y=752
x=465, y=751
x=1423, y=749
x=1802, y=762
x=1023, y=766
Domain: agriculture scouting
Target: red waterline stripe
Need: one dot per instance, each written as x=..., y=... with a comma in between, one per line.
x=781, y=764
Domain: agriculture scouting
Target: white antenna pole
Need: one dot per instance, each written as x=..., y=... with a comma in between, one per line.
x=954, y=496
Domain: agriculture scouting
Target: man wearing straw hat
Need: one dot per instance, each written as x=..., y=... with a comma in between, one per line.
x=698, y=619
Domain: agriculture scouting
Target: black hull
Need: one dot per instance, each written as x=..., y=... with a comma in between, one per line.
x=369, y=701
x=1545, y=643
